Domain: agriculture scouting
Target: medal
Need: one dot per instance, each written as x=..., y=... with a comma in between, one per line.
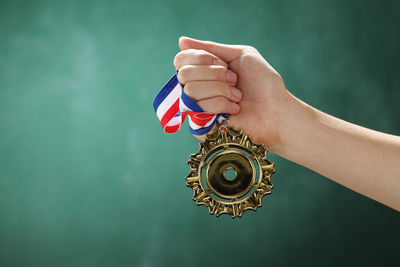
x=229, y=174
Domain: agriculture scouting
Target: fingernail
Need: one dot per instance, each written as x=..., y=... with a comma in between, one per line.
x=231, y=76
x=236, y=92
x=235, y=107
x=219, y=62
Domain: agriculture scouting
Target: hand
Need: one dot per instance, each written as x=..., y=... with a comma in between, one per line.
x=205, y=69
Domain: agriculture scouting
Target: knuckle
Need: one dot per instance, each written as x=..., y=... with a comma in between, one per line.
x=224, y=89
x=192, y=56
x=219, y=68
x=250, y=49
x=277, y=76
x=191, y=51
x=248, y=58
x=184, y=74
x=221, y=104
x=219, y=72
x=189, y=88
x=205, y=57
x=177, y=60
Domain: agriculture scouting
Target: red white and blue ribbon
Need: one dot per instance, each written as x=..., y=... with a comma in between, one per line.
x=172, y=105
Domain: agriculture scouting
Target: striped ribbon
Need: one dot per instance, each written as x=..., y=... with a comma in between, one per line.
x=172, y=105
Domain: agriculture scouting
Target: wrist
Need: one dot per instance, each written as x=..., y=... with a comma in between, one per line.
x=294, y=127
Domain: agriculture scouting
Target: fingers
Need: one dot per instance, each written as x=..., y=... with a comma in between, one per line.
x=206, y=73
x=208, y=81
x=226, y=52
x=219, y=104
x=208, y=89
x=196, y=57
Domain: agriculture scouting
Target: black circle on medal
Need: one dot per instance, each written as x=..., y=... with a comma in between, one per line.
x=240, y=164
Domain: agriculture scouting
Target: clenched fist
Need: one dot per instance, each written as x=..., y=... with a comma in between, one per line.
x=236, y=80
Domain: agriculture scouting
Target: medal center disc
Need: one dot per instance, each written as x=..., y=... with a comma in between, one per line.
x=230, y=174
x=224, y=185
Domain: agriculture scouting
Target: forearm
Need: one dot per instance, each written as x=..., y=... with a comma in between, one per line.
x=361, y=159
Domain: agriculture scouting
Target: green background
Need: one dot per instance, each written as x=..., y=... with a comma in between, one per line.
x=88, y=178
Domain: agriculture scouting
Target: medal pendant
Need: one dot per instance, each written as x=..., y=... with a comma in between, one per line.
x=229, y=174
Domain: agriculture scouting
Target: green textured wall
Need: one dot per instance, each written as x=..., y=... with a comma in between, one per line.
x=88, y=178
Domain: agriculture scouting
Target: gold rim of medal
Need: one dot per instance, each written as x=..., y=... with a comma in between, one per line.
x=229, y=174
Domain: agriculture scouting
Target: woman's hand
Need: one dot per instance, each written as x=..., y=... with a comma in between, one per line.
x=236, y=80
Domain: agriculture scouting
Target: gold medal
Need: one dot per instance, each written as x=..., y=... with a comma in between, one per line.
x=229, y=174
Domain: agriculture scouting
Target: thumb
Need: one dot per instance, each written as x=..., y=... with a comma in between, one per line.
x=225, y=52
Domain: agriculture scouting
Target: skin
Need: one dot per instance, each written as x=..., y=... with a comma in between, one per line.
x=237, y=80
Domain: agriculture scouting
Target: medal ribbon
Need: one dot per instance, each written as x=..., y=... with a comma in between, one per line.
x=172, y=106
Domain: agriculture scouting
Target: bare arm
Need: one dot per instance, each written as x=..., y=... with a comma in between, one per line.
x=361, y=159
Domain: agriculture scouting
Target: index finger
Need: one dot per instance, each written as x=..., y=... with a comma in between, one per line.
x=197, y=57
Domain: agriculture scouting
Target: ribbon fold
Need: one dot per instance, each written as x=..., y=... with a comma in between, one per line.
x=172, y=106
